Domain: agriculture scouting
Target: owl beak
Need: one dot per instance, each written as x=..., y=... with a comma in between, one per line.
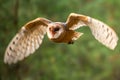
x=52, y=31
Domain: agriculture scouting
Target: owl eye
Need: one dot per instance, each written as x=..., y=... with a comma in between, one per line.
x=57, y=29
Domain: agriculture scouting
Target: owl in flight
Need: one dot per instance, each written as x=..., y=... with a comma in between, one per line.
x=30, y=36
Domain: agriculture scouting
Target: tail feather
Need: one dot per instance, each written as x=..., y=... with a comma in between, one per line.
x=76, y=35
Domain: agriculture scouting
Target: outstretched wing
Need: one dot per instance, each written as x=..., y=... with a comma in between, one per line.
x=102, y=32
x=26, y=41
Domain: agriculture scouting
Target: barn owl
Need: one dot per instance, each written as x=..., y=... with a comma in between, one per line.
x=30, y=36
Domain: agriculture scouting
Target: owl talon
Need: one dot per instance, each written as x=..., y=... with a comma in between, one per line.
x=70, y=42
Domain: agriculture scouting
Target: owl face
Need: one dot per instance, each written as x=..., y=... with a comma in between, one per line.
x=55, y=30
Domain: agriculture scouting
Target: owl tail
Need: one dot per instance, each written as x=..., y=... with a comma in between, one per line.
x=76, y=35
x=71, y=36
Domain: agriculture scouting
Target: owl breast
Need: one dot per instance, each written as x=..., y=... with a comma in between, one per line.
x=59, y=39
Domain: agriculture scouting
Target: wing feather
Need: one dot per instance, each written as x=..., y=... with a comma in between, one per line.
x=26, y=41
x=102, y=32
x=73, y=22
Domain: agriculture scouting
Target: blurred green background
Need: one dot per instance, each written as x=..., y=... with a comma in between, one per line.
x=87, y=59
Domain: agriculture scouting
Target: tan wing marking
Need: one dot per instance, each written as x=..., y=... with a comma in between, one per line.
x=74, y=21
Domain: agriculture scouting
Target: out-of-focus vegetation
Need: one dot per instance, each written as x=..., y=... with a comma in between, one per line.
x=87, y=59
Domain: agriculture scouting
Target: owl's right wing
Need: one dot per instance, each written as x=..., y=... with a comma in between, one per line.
x=26, y=41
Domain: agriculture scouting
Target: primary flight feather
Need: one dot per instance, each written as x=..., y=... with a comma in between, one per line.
x=30, y=36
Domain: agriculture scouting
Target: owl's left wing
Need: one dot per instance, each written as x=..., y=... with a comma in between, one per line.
x=26, y=41
x=102, y=32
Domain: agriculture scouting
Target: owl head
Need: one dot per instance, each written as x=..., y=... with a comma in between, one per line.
x=55, y=30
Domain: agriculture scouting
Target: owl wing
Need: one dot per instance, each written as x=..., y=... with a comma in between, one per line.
x=102, y=32
x=26, y=41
